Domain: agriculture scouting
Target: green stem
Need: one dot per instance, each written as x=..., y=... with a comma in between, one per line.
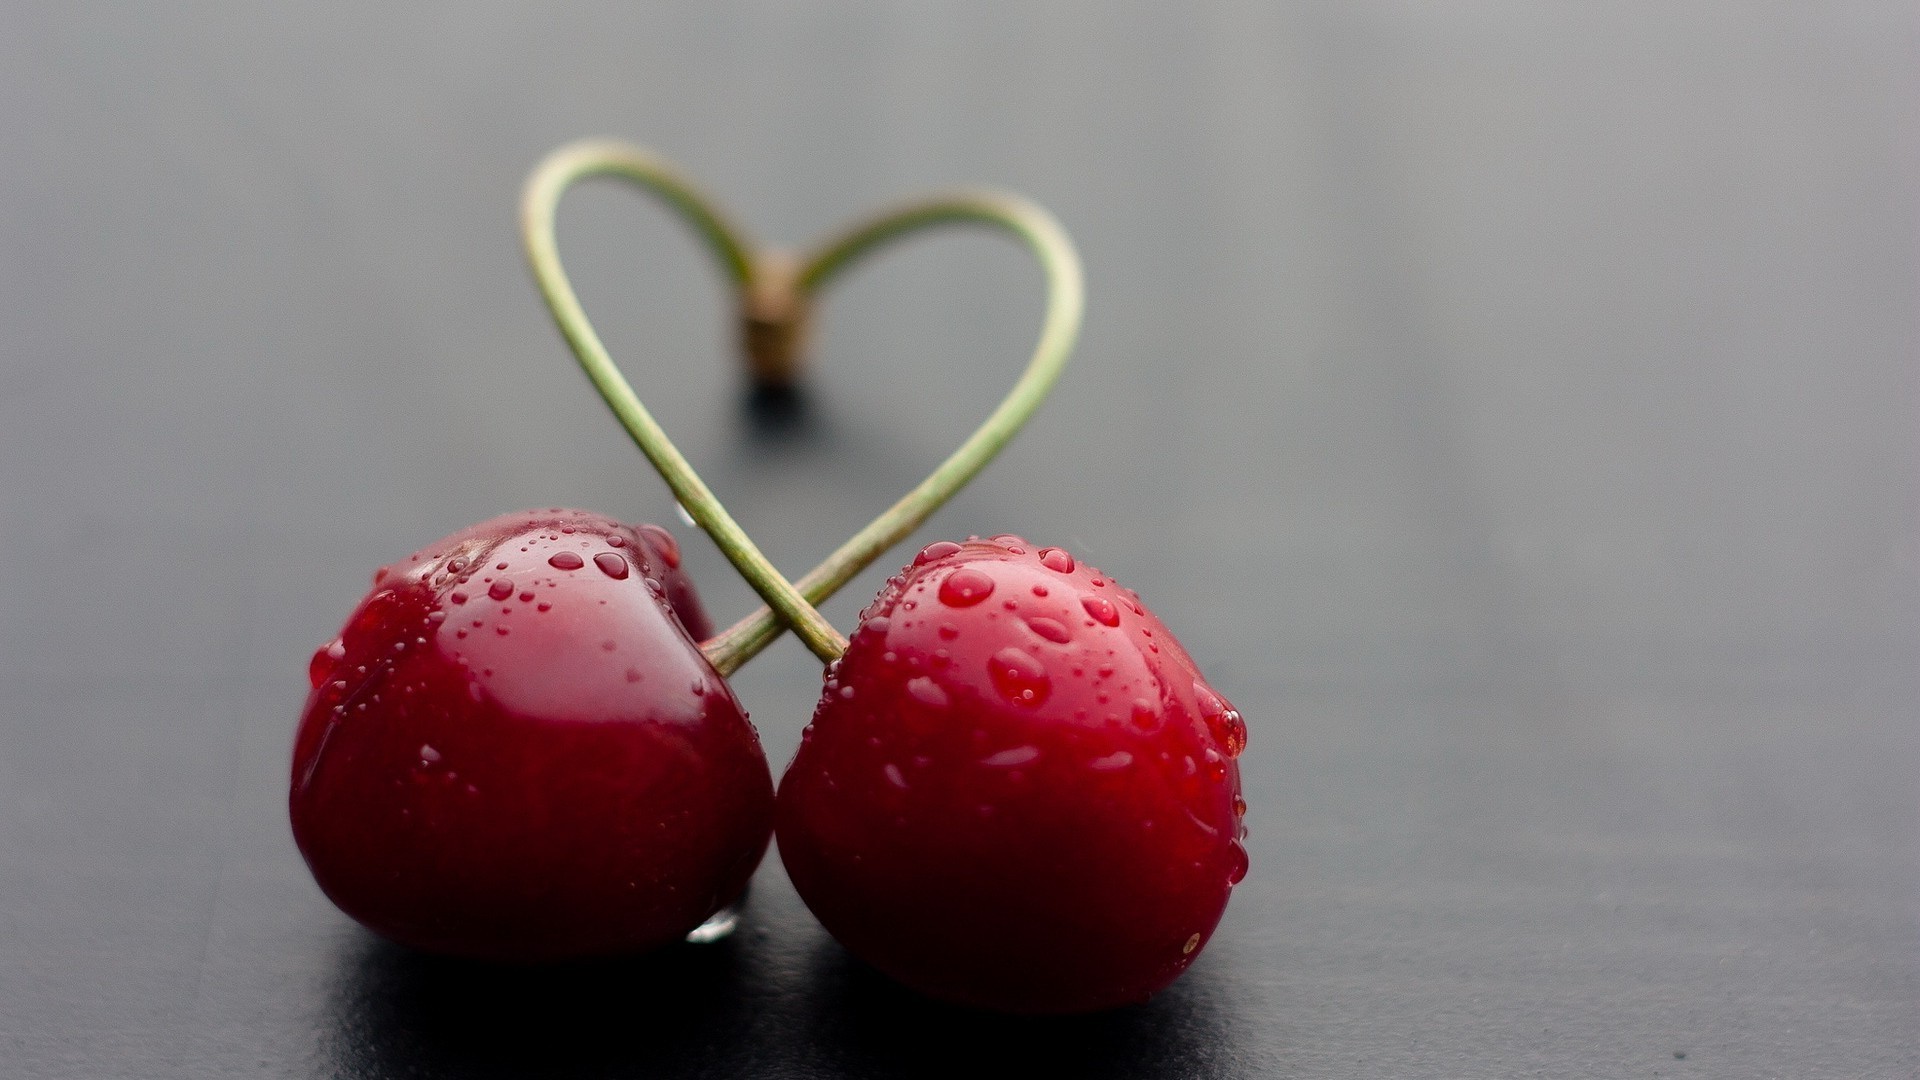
x=1060, y=329
x=788, y=604
x=537, y=209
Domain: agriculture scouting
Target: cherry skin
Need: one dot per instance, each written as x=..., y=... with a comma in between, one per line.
x=1017, y=793
x=515, y=750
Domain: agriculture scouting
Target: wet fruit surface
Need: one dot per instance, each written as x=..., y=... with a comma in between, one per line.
x=1017, y=791
x=515, y=750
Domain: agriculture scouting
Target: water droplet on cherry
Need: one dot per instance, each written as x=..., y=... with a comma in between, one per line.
x=566, y=560
x=1101, y=610
x=1019, y=676
x=927, y=692
x=965, y=587
x=612, y=565
x=939, y=549
x=1051, y=629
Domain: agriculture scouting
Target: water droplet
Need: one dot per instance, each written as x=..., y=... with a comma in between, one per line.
x=633, y=674
x=458, y=597
x=1101, y=609
x=499, y=566
x=1146, y=715
x=699, y=688
x=879, y=624
x=323, y=660
x=965, y=587
x=1239, y=806
x=1051, y=629
x=1192, y=944
x=718, y=925
x=612, y=564
x=543, y=606
x=1237, y=868
x=1119, y=759
x=1214, y=765
x=428, y=755
x=616, y=540
x=501, y=589
x=1235, y=739
x=941, y=658
x=503, y=630
x=1007, y=759
x=846, y=693
x=664, y=543
x=1056, y=560
x=457, y=564
x=948, y=631
x=927, y=692
x=566, y=560
x=894, y=776
x=939, y=549
x=1019, y=676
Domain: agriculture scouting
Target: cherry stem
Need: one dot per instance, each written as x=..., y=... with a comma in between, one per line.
x=538, y=206
x=1060, y=329
x=772, y=280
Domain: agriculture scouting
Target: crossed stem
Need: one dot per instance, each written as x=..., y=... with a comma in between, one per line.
x=775, y=294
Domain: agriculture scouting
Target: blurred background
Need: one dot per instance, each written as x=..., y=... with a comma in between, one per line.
x=1511, y=405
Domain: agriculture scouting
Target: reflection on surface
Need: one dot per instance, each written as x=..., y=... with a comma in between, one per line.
x=400, y=1013
x=863, y=1024
x=776, y=1000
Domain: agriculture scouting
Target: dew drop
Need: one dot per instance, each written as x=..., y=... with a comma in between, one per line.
x=965, y=587
x=501, y=589
x=612, y=564
x=428, y=755
x=1101, y=609
x=894, y=776
x=458, y=597
x=1146, y=716
x=663, y=542
x=1239, y=806
x=927, y=692
x=939, y=549
x=499, y=566
x=566, y=560
x=1051, y=629
x=503, y=630
x=1019, y=676
x=1213, y=765
x=1192, y=944
x=948, y=631
x=543, y=606
x=1056, y=560
x=1236, y=733
x=1119, y=759
x=1237, y=868
x=877, y=625
x=1007, y=759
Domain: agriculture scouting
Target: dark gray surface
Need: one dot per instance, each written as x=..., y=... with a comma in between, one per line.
x=1513, y=406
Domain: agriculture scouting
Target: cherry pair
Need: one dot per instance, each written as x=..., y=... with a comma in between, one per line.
x=1017, y=791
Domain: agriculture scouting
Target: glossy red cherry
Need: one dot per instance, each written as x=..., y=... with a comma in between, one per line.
x=1017, y=792
x=515, y=750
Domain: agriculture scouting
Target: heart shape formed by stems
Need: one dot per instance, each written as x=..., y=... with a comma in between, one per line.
x=775, y=291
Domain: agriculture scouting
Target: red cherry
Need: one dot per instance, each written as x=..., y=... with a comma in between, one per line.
x=514, y=750
x=1017, y=792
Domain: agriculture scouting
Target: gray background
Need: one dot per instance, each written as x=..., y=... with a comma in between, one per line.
x=1513, y=406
